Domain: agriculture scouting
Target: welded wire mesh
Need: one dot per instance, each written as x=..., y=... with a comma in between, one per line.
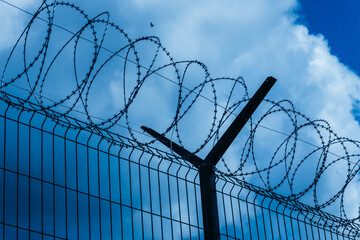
x=60, y=180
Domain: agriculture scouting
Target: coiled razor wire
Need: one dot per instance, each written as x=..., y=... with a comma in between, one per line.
x=36, y=70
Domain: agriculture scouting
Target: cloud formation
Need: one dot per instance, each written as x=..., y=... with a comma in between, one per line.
x=12, y=21
x=248, y=39
x=258, y=39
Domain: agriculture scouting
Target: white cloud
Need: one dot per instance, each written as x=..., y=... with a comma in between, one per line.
x=248, y=39
x=256, y=39
x=12, y=21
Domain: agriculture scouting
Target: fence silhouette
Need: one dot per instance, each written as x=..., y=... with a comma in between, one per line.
x=67, y=175
x=63, y=181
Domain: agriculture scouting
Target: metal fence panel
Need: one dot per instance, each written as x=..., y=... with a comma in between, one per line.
x=60, y=180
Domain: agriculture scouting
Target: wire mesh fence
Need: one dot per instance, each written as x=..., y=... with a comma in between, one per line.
x=68, y=177
x=62, y=179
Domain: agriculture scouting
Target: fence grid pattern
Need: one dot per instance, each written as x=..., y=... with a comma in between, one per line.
x=61, y=180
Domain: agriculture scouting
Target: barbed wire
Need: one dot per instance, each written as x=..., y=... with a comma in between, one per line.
x=287, y=161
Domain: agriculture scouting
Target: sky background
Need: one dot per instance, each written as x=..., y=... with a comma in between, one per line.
x=337, y=22
x=309, y=46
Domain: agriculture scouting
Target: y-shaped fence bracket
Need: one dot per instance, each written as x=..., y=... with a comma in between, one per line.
x=206, y=167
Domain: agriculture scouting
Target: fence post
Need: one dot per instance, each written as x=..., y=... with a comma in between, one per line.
x=206, y=167
x=209, y=203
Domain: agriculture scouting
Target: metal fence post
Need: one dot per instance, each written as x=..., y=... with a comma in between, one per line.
x=206, y=167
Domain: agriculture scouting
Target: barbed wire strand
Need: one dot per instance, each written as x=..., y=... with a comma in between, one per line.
x=158, y=74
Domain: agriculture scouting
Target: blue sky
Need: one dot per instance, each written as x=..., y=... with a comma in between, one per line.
x=307, y=53
x=338, y=22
